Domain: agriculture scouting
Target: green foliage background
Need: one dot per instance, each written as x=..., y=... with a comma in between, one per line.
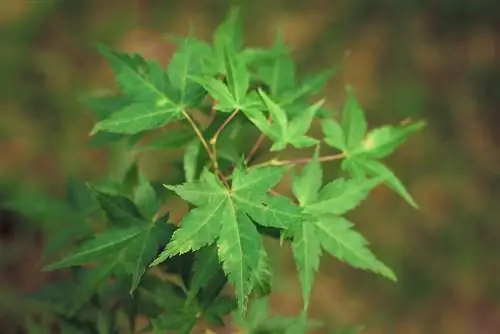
x=404, y=58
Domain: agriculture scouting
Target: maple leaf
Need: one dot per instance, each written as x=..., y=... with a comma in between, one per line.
x=225, y=216
x=325, y=228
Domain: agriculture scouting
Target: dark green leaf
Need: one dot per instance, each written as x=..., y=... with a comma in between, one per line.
x=101, y=245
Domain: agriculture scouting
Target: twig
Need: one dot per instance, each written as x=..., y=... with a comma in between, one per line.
x=256, y=146
x=213, y=158
x=213, y=141
x=275, y=162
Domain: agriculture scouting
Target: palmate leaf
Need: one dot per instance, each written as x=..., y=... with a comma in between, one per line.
x=133, y=246
x=228, y=36
x=101, y=245
x=381, y=142
x=362, y=166
x=146, y=84
x=188, y=61
x=222, y=216
x=282, y=130
x=279, y=72
x=233, y=95
x=324, y=228
x=138, y=117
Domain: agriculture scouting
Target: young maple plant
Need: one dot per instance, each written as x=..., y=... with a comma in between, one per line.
x=222, y=104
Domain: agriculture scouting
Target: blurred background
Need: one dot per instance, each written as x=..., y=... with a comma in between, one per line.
x=436, y=60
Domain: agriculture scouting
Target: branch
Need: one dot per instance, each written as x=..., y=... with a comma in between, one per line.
x=213, y=158
x=275, y=162
x=213, y=141
x=256, y=146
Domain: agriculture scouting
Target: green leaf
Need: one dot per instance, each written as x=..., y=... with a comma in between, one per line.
x=221, y=216
x=219, y=308
x=323, y=228
x=187, y=61
x=219, y=92
x=145, y=197
x=339, y=239
x=142, y=251
x=378, y=169
x=100, y=246
x=139, y=117
x=281, y=131
x=310, y=86
x=262, y=276
x=280, y=120
x=381, y=142
x=279, y=73
x=190, y=160
x=353, y=121
x=119, y=209
x=306, y=249
x=105, y=105
x=178, y=322
x=341, y=196
x=307, y=185
x=239, y=247
x=90, y=281
x=238, y=77
x=228, y=35
x=171, y=139
x=141, y=80
x=206, y=267
x=334, y=135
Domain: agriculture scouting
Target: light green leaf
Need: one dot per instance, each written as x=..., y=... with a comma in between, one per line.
x=219, y=92
x=221, y=216
x=228, y=35
x=187, y=61
x=339, y=239
x=306, y=249
x=239, y=249
x=310, y=86
x=381, y=142
x=101, y=245
x=353, y=121
x=378, y=169
x=306, y=186
x=280, y=121
x=278, y=73
x=238, y=77
x=143, y=81
x=341, y=196
x=139, y=117
x=334, y=135
x=262, y=275
x=302, y=122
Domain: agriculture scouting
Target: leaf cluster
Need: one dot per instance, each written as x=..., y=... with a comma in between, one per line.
x=131, y=260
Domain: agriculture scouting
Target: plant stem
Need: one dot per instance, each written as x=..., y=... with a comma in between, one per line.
x=275, y=162
x=213, y=141
x=204, y=143
x=256, y=146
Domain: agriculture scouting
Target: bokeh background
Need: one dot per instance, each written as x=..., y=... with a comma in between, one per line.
x=436, y=60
